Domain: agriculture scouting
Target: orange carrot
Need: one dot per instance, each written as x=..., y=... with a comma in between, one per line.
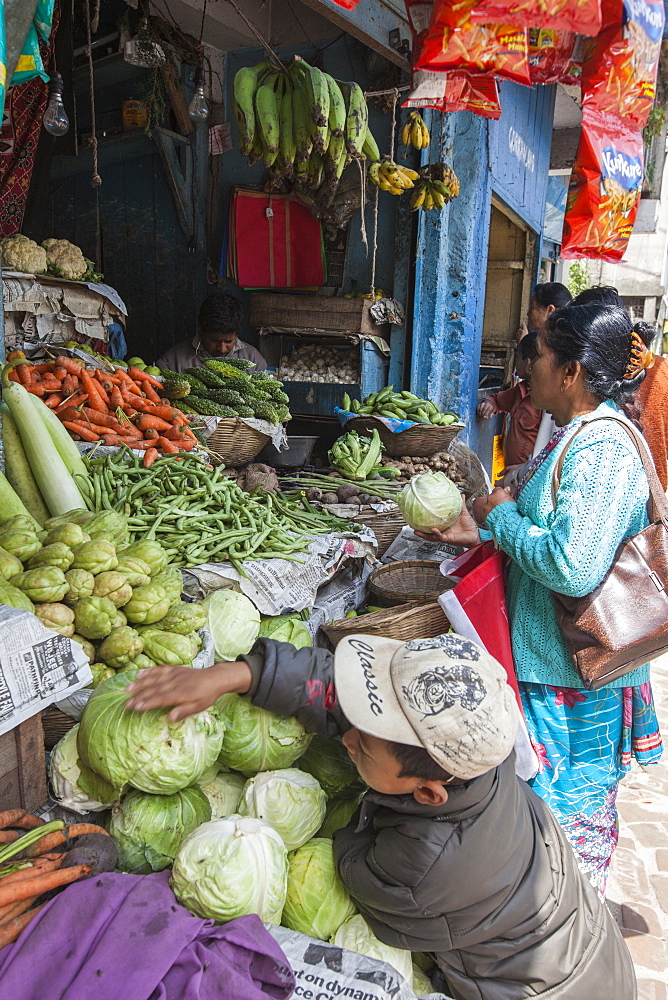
x=101, y=419
x=13, y=377
x=9, y=816
x=45, y=366
x=154, y=410
x=151, y=393
x=94, y=398
x=115, y=397
x=11, y=931
x=128, y=382
x=148, y=421
x=102, y=392
x=46, y=863
x=70, y=365
x=46, y=844
x=12, y=910
x=113, y=440
x=81, y=430
x=50, y=385
x=9, y=836
x=41, y=883
x=79, y=829
x=60, y=373
x=141, y=376
x=150, y=456
x=54, y=400
x=185, y=444
x=36, y=390
x=167, y=446
x=76, y=400
x=151, y=434
x=28, y=822
x=69, y=384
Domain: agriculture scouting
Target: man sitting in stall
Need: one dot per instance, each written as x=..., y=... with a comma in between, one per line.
x=217, y=337
x=449, y=853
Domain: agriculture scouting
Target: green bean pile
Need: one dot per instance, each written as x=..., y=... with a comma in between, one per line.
x=198, y=515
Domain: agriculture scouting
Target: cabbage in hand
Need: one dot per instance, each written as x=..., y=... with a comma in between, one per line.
x=317, y=902
x=258, y=740
x=232, y=867
x=143, y=749
x=291, y=800
x=430, y=500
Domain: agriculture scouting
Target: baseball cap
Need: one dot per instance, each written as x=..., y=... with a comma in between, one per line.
x=445, y=694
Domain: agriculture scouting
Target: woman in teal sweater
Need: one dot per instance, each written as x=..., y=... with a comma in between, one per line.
x=584, y=739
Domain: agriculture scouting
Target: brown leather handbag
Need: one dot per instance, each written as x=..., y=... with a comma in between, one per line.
x=623, y=623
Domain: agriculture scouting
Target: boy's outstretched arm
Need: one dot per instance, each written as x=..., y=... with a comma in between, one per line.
x=275, y=675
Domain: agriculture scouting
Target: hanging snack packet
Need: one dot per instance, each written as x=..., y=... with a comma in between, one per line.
x=493, y=49
x=620, y=66
x=454, y=92
x=583, y=16
x=550, y=54
x=604, y=189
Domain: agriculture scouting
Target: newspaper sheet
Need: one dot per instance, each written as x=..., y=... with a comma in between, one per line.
x=37, y=667
x=326, y=972
x=408, y=545
x=281, y=586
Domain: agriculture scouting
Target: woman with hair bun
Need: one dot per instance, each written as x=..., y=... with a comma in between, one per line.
x=588, y=358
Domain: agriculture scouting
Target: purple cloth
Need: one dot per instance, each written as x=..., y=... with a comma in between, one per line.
x=125, y=937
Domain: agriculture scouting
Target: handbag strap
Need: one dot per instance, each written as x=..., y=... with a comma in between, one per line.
x=658, y=497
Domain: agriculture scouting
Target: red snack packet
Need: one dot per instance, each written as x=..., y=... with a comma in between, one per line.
x=573, y=73
x=346, y=4
x=620, y=66
x=604, y=189
x=582, y=16
x=491, y=49
x=454, y=92
x=550, y=54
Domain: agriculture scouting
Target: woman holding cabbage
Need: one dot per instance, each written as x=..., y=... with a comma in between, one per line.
x=584, y=739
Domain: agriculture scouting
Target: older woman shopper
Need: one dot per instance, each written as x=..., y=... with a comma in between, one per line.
x=584, y=739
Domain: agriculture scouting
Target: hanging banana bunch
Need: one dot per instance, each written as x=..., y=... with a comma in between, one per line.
x=415, y=132
x=392, y=177
x=302, y=123
x=437, y=185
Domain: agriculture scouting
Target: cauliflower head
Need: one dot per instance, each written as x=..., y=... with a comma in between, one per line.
x=21, y=254
x=65, y=260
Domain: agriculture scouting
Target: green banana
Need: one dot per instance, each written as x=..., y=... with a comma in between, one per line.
x=337, y=145
x=337, y=107
x=356, y=118
x=370, y=148
x=287, y=145
x=301, y=126
x=244, y=87
x=266, y=110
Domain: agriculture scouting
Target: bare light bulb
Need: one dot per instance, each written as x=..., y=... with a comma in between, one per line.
x=55, y=118
x=198, y=109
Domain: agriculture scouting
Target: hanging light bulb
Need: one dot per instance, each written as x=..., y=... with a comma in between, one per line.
x=198, y=109
x=55, y=119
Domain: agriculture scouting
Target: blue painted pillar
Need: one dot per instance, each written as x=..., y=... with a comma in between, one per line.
x=451, y=261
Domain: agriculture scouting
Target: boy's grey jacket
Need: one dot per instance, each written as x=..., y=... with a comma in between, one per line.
x=487, y=883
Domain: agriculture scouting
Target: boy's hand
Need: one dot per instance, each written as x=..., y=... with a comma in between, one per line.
x=189, y=691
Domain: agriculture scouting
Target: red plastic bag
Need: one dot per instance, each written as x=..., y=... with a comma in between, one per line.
x=582, y=16
x=491, y=49
x=604, y=189
x=454, y=92
x=550, y=54
x=620, y=66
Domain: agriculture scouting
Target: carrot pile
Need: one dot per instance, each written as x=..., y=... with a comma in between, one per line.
x=115, y=408
x=31, y=866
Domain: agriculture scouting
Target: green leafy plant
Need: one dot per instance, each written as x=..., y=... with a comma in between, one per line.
x=579, y=277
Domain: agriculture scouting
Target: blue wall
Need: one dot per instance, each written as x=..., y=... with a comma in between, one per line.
x=509, y=158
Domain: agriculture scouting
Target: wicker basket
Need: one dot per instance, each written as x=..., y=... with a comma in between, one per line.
x=418, y=441
x=56, y=724
x=235, y=443
x=408, y=580
x=412, y=621
x=385, y=527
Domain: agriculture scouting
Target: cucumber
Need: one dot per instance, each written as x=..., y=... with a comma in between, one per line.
x=19, y=473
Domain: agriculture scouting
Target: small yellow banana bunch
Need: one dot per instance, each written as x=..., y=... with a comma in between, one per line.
x=392, y=177
x=415, y=132
x=429, y=194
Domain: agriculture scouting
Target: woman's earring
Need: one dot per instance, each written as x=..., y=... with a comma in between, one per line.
x=563, y=385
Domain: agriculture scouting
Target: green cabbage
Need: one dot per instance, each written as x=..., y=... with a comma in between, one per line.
x=430, y=500
x=224, y=793
x=286, y=628
x=327, y=760
x=317, y=902
x=149, y=829
x=142, y=749
x=356, y=935
x=257, y=740
x=64, y=774
x=340, y=810
x=232, y=867
x=234, y=623
x=291, y=800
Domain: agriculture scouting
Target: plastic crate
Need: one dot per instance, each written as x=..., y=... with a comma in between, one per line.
x=320, y=398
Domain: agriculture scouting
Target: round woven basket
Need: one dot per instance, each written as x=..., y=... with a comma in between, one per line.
x=412, y=621
x=418, y=441
x=55, y=724
x=408, y=580
x=235, y=443
x=385, y=527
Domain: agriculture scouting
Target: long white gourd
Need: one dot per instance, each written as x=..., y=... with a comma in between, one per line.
x=51, y=474
x=65, y=446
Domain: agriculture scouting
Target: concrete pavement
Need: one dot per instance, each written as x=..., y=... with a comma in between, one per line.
x=638, y=884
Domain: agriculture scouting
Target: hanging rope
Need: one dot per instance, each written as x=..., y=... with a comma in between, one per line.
x=251, y=27
x=365, y=241
x=395, y=91
x=95, y=180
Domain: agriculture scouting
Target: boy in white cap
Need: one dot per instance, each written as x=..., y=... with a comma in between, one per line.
x=450, y=853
